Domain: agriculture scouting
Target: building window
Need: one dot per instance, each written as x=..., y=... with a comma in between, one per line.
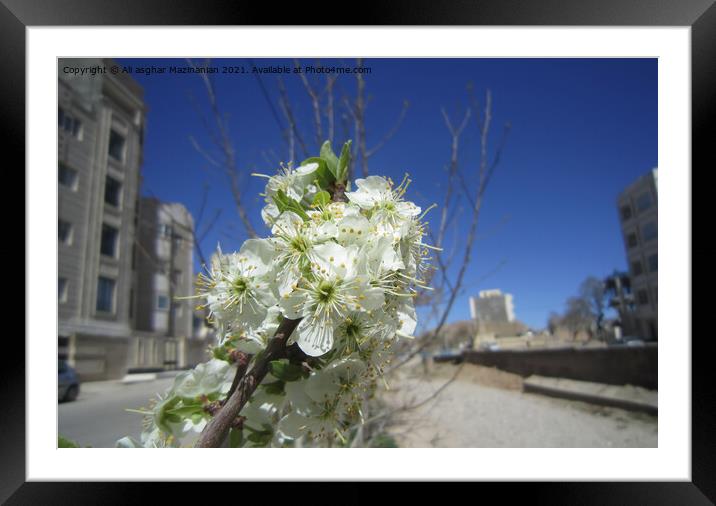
x=642, y=297
x=109, y=241
x=67, y=176
x=69, y=123
x=64, y=232
x=62, y=289
x=626, y=213
x=162, y=302
x=632, y=241
x=643, y=202
x=649, y=231
x=116, y=146
x=165, y=230
x=636, y=268
x=653, y=263
x=112, y=192
x=105, y=294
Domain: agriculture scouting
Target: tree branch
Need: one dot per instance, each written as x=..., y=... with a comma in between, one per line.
x=218, y=427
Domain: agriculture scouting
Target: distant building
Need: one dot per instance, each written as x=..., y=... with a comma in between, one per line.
x=494, y=314
x=492, y=306
x=638, y=213
x=99, y=148
x=164, y=320
x=122, y=260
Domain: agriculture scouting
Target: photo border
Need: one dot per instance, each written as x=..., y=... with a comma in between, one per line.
x=699, y=15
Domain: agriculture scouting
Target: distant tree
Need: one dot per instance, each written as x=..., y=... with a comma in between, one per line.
x=578, y=316
x=553, y=322
x=593, y=292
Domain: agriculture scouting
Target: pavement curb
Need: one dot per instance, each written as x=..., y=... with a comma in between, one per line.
x=624, y=397
x=137, y=378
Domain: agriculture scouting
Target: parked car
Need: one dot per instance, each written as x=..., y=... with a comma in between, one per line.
x=68, y=383
x=629, y=341
x=490, y=346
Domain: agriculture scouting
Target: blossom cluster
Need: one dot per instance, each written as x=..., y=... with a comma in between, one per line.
x=347, y=263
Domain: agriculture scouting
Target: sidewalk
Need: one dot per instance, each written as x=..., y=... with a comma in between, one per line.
x=488, y=408
x=104, y=385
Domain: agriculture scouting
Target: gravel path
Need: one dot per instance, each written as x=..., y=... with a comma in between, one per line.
x=486, y=408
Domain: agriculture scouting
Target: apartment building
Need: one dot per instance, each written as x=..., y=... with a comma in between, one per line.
x=124, y=262
x=99, y=148
x=638, y=213
x=494, y=314
x=165, y=320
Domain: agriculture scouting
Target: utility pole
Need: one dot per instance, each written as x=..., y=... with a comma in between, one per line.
x=172, y=253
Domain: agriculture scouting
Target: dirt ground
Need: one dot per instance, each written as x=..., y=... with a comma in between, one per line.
x=486, y=408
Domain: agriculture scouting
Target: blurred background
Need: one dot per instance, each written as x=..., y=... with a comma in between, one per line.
x=542, y=326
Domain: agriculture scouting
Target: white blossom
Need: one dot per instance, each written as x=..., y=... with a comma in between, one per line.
x=349, y=271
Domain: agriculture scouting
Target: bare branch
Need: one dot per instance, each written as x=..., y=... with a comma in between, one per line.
x=217, y=429
x=315, y=103
x=288, y=114
x=222, y=141
x=452, y=169
x=485, y=171
x=330, y=114
x=389, y=135
x=359, y=118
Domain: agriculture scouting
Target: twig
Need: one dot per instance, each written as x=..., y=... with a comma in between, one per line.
x=288, y=113
x=389, y=135
x=222, y=141
x=315, y=103
x=485, y=172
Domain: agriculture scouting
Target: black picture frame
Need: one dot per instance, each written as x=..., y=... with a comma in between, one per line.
x=700, y=15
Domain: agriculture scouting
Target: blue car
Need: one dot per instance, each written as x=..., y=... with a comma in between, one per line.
x=68, y=384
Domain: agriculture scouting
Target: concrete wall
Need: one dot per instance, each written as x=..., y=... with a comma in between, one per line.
x=612, y=365
x=99, y=357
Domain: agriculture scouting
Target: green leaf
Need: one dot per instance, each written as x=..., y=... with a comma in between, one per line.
x=220, y=353
x=63, y=442
x=275, y=388
x=345, y=159
x=383, y=441
x=259, y=437
x=286, y=203
x=185, y=411
x=236, y=438
x=324, y=177
x=322, y=198
x=330, y=157
x=285, y=371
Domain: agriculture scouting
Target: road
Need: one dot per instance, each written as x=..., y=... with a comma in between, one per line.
x=470, y=412
x=98, y=417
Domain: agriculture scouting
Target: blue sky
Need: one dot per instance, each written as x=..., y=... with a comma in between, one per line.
x=582, y=130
